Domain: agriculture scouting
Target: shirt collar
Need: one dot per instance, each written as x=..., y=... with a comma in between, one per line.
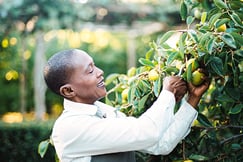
x=81, y=108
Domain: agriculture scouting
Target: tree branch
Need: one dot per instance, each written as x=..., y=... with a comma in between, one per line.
x=231, y=138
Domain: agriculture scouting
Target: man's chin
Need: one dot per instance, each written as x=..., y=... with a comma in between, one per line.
x=103, y=94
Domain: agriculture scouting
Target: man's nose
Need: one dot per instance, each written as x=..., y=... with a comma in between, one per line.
x=99, y=72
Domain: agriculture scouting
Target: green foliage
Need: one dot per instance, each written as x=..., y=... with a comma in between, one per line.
x=215, y=41
x=20, y=141
x=43, y=147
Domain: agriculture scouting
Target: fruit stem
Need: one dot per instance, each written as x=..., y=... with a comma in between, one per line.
x=181, y=70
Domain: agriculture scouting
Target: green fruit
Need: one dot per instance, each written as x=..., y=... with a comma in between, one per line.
x=197, y=13
x=153, y=75
x=222, y=28
x=194, y=63
x=197, y=78
x=125, y=94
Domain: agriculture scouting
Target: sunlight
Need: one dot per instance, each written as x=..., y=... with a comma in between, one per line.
x=101, y=38
x=13, y=41
x=27, y=54
x=73, y=39
x=86, y=36
x=11, y=75
x=5, y=43
x=12, y=117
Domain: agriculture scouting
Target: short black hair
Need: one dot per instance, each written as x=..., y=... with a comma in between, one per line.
x=58, y=70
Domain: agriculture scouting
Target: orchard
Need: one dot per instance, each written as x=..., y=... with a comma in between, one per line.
x=210, y=45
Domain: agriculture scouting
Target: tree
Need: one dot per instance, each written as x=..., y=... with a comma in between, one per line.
x=212, y=42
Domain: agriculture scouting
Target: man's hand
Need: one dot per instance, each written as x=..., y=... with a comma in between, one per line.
x=176, y=85
x=195, y=92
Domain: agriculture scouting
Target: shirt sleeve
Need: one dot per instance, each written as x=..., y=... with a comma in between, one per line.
x=165, y=102
x=178, y=129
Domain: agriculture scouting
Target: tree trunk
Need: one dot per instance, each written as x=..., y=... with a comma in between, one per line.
x=39, y=84
x=23, y=90
x=131, y=49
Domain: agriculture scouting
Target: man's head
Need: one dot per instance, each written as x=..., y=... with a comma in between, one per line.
x=73, y=75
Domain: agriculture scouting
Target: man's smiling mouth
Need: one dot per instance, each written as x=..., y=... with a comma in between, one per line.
x=101, y=84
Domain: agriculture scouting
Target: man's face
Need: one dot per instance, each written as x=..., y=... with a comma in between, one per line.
x=87, y=80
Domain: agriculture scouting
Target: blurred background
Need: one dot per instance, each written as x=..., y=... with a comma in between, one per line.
x=114, y=32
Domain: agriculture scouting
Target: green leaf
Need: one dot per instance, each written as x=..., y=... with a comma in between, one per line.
x=210, y=45
x=142, y=102
x=216, y=65
x=183, y=10
x=226, y=62
x=229, y=40
x=181, y=44
x=203, y=39
x=241, y=77
x=173, y=56
x=137, y=92
x=157, y=87
x=239, y=52
x=146, y=62
x=224, y=98
x=189, y=20
x=131, y=94
x=149, y=54
x=213, y=19
x=236, y=109
x=236, y=78
x=193, y=35
x=144, y=85
x=166, y=46
x=189, y=73
x=202, y=119
x=205, y=28
x=237, y=38
x=108, y=101
x=220, y=4
x=171, y=70
x=153, y=45
x=235, y=146
x=110, y=78
x=236, y=19
x=166, y=36
x=198, y=157
x=220, y=22
x=42, y=148
x=233, y=92
x=203, y=17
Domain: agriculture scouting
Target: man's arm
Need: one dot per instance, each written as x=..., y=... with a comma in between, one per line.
x=176, y=131
x=180, y=126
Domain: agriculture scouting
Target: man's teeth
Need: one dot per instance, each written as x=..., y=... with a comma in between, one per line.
x=101, y=84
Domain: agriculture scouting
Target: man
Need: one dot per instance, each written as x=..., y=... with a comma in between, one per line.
x=91, y=131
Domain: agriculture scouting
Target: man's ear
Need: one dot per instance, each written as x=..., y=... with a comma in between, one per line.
x=67, y=91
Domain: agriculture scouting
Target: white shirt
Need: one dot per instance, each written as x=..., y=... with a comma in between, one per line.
x=78, y=133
